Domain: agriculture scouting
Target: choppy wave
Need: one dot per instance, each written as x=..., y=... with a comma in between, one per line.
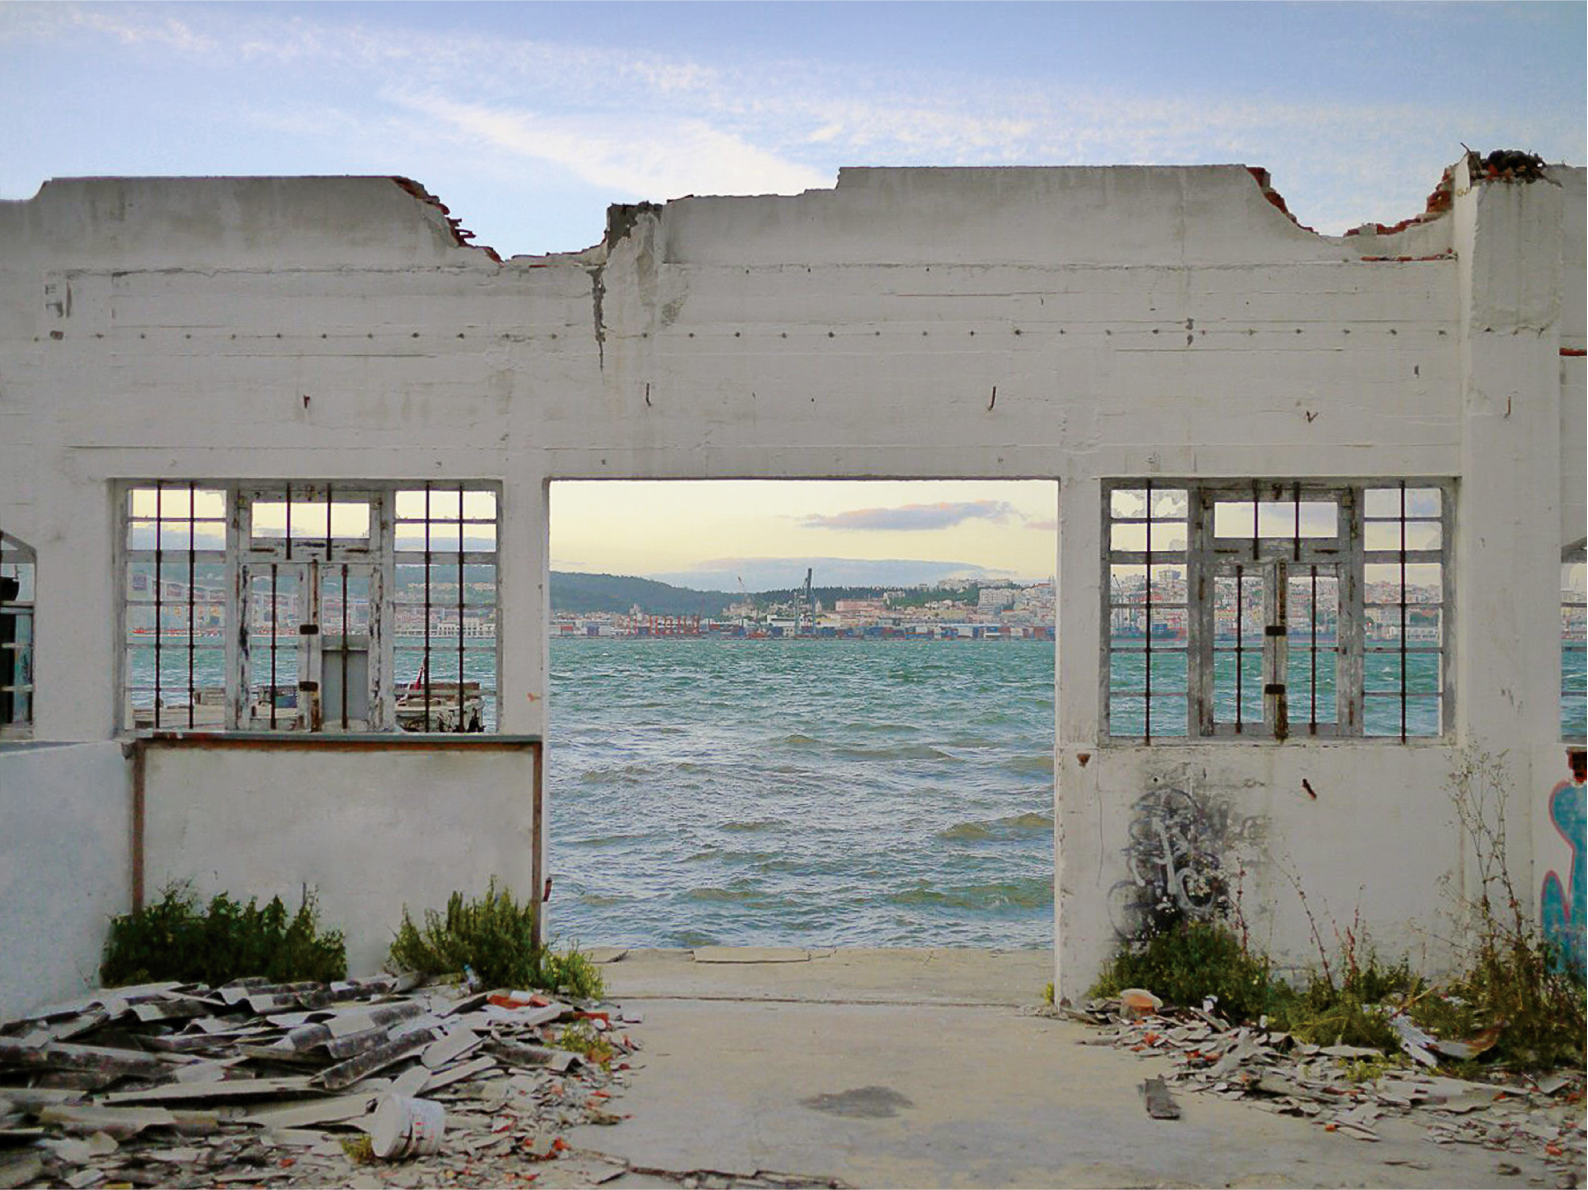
x=801, y=793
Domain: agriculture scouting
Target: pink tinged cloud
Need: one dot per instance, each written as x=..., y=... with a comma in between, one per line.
x=910, y=517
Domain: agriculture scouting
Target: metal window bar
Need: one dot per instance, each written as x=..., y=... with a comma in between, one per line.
x=344, y=644
x=1240, y=645
x=159, y=592
x=1312, y=657
x=273, y=626
x=1403, y=655
x=424, y=665
x=462, y=715
x=192, y=546
x=1146, y=701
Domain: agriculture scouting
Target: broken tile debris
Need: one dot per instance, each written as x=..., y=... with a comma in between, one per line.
x=257, y=1083
x=1540, y=1117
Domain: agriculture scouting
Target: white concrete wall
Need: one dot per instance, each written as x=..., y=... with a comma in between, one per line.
x=65, y=823
x=367, y=831
x=1133, y=321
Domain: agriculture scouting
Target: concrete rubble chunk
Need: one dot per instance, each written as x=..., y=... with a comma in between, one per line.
x=236, y=1085
x=1325, y=1085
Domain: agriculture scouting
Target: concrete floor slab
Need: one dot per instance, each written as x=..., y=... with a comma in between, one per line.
x=767, y=1069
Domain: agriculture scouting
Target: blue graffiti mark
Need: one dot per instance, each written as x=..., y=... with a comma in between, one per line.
x=1561, y=909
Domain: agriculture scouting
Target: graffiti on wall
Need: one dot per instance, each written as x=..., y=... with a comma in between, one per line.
x=1561, y=904
x=1183, y=860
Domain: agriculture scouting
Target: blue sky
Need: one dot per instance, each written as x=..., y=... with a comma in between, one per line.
x=528, y=119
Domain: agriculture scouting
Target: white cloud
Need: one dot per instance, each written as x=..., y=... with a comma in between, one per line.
x=655, y=157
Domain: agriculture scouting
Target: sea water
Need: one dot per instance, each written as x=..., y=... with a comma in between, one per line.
x=801, y=792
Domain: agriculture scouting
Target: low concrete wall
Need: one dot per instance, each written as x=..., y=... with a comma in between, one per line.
x=369, y=831
x=64, y=867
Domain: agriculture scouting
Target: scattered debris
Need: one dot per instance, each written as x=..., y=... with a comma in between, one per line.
x=299, y=1084
x=1347, y=1089
x=1160, y=1104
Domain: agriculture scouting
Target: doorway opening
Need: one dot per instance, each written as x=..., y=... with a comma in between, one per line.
x=802, y=713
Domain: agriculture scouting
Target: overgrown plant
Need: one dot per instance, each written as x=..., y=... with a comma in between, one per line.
x=1190, y=962
x=174, y=939
x=492, y=937
x=1511, y=980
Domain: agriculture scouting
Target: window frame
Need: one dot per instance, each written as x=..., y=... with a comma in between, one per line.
x=1208, y=559
x=16, y=553
x=1575, y=554
x=314, y=564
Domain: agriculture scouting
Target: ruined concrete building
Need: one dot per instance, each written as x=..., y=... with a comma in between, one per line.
x=1314, y=498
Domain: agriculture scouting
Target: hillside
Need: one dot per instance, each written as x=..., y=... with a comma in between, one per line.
x=619, y=592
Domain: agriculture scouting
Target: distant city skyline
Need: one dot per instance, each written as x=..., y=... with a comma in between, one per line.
x=711, y=534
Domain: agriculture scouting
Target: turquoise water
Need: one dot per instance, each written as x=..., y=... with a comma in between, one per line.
x=802, y=792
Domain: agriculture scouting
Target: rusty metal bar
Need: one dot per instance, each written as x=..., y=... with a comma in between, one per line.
x=273, y=640
x=1240, y=639
x=344, y=643
x=424, y=664
x=1403, y=608
x=1313, y=660
x=192, y=546
x=1146, y=700
x=159, y=593
x=462, y=709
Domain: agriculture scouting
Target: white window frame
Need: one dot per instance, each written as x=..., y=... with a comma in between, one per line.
x=1268, y=562
x=336, y=650
x=19, y=645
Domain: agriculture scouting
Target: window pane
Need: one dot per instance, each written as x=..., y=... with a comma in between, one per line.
x=442, y=504
x=1382, y=716
x=1169, y=716
x=1387, y=536
x=479, y=506
x=1168, y=671
x=1386, y=502
x=1234, y=518
x=1277, y=518
x=1381, y=582
x=1128, y=627
x=1241, y=597
x=1246, y=695
x=1303, y=619
x=1167, y=536
x=1127, y=671
x=1128, y=502
x=1309, y=673
x=1168, y=504
x=1127, y=715
x=1422, y=673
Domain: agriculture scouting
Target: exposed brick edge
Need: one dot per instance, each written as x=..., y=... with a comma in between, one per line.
x=1438, y=203
x=1574, y=352
x=461, y=236
x=1265, y=184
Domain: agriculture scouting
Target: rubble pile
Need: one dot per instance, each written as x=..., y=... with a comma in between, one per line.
x=1346, y=1088
x=256, y=1083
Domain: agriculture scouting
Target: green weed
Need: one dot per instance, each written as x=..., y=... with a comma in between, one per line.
x=174, y=939
x=494, y=937
x=582, y=1039
x=1190, y=962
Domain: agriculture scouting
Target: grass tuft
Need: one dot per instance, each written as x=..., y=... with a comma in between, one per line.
x=493, y=936
x=174, y=939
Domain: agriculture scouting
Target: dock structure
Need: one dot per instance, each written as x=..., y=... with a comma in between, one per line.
x=271, y=436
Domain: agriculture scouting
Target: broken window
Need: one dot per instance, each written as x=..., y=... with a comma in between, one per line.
x=1267, y=609
x=357, y=607
x=1573, y=633
x=16, y=638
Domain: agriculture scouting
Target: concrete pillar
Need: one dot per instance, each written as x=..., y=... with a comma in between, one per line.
x=1506, y=568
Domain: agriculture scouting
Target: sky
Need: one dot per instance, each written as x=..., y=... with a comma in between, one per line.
x=529, y=119
x=714, y=534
